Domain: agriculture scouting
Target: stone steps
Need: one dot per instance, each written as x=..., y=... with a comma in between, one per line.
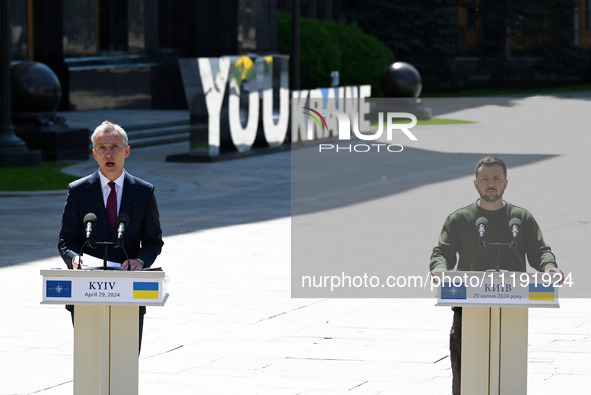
x=153, y=133
x=170, y=132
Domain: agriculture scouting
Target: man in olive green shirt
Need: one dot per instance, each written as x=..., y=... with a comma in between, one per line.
x=460, y=237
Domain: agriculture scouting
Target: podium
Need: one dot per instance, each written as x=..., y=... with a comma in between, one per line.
x=495, y=324
x=106, y=323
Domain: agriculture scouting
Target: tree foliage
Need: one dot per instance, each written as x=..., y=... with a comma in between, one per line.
x=328, y=46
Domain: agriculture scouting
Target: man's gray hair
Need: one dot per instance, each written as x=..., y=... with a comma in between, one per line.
x=107, y=126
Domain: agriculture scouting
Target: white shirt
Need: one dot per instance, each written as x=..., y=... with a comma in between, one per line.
x=107, y=189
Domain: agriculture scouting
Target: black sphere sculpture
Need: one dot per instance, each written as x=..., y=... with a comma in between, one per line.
x=401, y=79
x=35, y=88
x=36, y=94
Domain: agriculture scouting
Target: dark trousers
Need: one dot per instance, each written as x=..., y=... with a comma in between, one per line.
x=455, y=350
x=142, y=312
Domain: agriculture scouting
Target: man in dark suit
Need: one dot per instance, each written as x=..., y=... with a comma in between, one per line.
x=108, y=193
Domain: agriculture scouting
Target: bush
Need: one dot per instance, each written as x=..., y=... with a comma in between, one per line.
x=327, y=46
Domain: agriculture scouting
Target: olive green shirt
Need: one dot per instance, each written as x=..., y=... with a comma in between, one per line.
x=460, y=238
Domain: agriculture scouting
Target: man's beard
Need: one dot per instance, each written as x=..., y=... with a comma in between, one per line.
x=491, y=199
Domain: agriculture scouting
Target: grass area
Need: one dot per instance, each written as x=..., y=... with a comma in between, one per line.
x=46, y=177
x=517, y=91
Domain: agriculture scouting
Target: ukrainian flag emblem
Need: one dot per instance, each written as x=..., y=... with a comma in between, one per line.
x=145, y=290
x=541, y=292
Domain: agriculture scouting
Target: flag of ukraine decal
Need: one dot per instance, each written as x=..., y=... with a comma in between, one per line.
x=541, y=292
x=145, y=290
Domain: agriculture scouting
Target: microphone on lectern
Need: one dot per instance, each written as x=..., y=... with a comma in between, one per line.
x=122, y=222
x=515, y=224
x=481, y=224
x=89, y=221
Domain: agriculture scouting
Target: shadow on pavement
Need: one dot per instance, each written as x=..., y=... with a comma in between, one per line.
x=328, y=180
x=199, y=196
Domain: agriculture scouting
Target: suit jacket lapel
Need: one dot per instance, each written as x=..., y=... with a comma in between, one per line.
x=127, y=200
x=95, y=196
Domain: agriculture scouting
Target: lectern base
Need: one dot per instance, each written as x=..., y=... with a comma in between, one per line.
x=106, y=348
x=494, y=350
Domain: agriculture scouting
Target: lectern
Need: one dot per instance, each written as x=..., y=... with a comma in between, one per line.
x=106, y=323
x=495, y=325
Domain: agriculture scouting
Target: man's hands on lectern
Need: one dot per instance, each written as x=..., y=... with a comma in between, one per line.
x=434, y=279
x=135, y=264
x=77, y=262
x=555, y=272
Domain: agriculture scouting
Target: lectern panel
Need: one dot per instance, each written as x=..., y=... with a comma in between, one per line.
x=132, y=288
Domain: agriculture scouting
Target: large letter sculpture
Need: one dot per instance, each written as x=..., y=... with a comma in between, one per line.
x=227, y=93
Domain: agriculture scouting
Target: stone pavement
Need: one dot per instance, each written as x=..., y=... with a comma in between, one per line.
x=230, y=325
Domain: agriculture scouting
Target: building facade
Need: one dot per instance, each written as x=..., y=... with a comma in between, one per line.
x=123, y=53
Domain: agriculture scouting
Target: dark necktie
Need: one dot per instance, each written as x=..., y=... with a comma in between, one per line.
x=112, y=207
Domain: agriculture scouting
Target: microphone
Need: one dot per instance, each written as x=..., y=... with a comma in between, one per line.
x=89, y=221
x=481, y=224
x=514, y=224
x=122, y=222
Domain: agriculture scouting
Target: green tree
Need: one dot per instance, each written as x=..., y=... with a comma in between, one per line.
x=328, y=46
